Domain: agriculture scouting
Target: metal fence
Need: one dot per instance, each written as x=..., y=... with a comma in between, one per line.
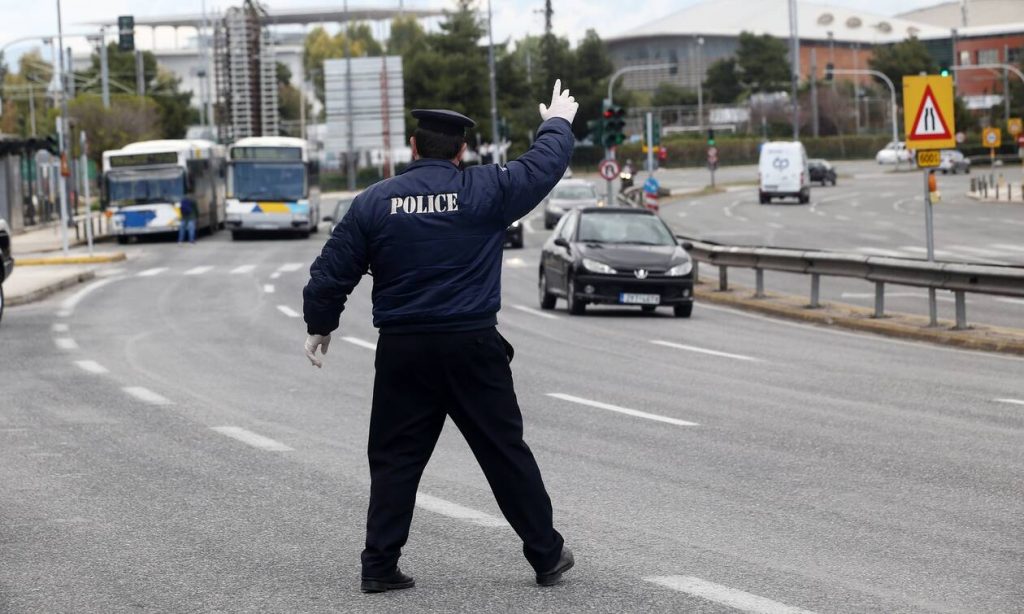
x=955, y=277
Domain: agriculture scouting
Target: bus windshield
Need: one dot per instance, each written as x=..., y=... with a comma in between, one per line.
x=130, y=187
x=268, y=180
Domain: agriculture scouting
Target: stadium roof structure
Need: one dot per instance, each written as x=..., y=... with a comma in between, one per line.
x=979, y=13
x=287, y=16
x=814, y=22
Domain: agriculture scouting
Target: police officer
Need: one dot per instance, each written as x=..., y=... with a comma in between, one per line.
x=432, y=238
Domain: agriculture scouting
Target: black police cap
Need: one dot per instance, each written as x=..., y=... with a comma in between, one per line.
x=443, y=121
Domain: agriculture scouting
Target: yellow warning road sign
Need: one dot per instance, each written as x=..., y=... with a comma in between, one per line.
x=992, y=138
x=928, y=158
x=1013, y=126
x=928, y=118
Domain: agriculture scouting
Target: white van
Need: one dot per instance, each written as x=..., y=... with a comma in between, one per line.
x=782, y=172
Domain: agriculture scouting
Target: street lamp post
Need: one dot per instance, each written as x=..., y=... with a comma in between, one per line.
x=494, y=89
x=794, y=50
x=700, y=79
x=63, y=135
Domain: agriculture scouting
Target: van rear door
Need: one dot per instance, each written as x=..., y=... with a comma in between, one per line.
x=780, y=170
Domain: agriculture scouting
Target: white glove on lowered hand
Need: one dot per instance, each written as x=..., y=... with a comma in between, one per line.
x=562, y=104
x=312, y=343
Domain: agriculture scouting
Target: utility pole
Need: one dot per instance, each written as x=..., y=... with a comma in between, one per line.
x=700, y=85
x=856, y=88
x=85, y=189
x=71, y=75
x=1006, y=85
x=104, y=69
x=140, y=78
x=350, y=160
x=62, y=136
x=32, y=108
x=494, y=92
x=794, y=50
x=814, y=93
x=956, y=58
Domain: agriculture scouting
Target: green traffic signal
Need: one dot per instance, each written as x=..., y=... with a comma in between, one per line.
x=944, y=72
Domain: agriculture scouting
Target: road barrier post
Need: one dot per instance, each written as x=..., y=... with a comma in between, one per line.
x=759, y=275
x=879, y=300
x=815, y=290
x=961, y=310
x=933, y=310
x=696, y=271
x=723, y=278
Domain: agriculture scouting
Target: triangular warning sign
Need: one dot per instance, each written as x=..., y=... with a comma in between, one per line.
x=929, y=122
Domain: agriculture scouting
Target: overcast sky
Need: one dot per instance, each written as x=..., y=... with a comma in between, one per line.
x=511, y=17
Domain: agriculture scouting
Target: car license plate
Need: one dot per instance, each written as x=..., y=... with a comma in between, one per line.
x=639, y=299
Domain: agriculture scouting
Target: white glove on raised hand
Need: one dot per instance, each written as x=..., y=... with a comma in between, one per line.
x=312, y=343
x=562, y=104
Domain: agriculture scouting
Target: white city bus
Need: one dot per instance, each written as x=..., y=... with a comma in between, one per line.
x=144, y=183
x=273, y=185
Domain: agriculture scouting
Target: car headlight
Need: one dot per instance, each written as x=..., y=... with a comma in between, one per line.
x=680, y=269
x=597, y=267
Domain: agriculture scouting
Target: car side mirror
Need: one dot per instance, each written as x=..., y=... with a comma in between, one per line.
x=562, y=242
x=686, y=245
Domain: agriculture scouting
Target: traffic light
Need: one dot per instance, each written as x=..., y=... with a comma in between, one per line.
x=613, y=123
x=595, y=131
x=944, y=71
x=711, y=137
x=126, y=33
x=828, y=71
x=656, y=132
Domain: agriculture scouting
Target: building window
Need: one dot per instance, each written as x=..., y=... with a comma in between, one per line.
x=965, y=58
x=1015, y=55
x=988, y=56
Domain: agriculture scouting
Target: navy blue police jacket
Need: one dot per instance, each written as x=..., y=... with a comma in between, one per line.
x=432, y=239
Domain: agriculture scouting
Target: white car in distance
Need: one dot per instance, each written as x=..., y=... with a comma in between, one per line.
x=895, y=152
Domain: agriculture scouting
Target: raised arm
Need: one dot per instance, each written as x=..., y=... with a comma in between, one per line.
x=336, y=271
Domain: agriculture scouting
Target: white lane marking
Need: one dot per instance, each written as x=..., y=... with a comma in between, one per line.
x=110, y=272
x=1012, y=248
x=621, y=410
x=454, y=510
x=59, y=327
x=776, y=225
x=268, y=288
x=1010, y=401
x=199, y=270
x=535, y=312
x=681, y=213
x=878, y=251
x=69, y=304
x=1011, y=301
x=275, y=275
x=988, y=253
x=515, y=262
x=361, y=343
x=253, y=439
x=146, y=395
x=91, y=366
x=245, y=268
x=66, y=343
x=288, y=267
x=152, y=272
x=842, y=218
x=288, y=311
x=691, y=348
x=731, y=597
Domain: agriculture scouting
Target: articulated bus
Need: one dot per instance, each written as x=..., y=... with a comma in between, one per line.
x=273, y=185
x=144, y=183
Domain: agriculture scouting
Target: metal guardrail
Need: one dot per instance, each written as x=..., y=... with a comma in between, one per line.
x=956, y=277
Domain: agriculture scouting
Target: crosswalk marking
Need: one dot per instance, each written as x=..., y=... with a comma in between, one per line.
x=199, y=270
x=152, y=272
x=245, y=268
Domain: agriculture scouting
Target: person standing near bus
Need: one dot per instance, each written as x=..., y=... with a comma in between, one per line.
x=433, y=237
x=189, y=214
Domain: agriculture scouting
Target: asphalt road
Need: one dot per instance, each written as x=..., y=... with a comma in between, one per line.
x=872, y=211
x=165, y=446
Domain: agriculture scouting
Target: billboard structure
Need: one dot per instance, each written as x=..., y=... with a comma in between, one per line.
x=367, y=105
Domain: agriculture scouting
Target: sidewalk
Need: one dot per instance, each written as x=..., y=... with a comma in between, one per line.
x=46, y=239
x=29, y=284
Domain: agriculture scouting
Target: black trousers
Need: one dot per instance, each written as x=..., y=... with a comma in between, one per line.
x=420, y=379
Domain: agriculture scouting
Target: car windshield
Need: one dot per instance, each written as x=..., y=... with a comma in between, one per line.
x=268, y=180
x=623, y=228
x=126, y=188
x=574, y=192
x=342, y=209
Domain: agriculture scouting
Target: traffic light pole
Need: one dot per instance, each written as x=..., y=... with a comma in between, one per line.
x=609, y=154
x=618, y=73
x=892, y=92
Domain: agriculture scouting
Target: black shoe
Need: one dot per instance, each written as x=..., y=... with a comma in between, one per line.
x=393, y=582
x=554, y=575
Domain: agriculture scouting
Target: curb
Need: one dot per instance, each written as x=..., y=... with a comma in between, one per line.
x=94, y=259
x=40, y=293
x=983, y=338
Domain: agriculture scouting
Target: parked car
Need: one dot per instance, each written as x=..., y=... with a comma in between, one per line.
x=514, y=235
x=567, y=195
x=895, y=152
x=6, y=260
x=821, y=171
x=340, y=209
x=782, y=172
x=952, y=161
x=615, y=256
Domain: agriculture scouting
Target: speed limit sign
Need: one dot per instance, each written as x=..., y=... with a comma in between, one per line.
x=609, y=169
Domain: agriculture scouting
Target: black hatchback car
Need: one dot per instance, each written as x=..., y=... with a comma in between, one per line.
x=821, y=170
x=615, y=256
